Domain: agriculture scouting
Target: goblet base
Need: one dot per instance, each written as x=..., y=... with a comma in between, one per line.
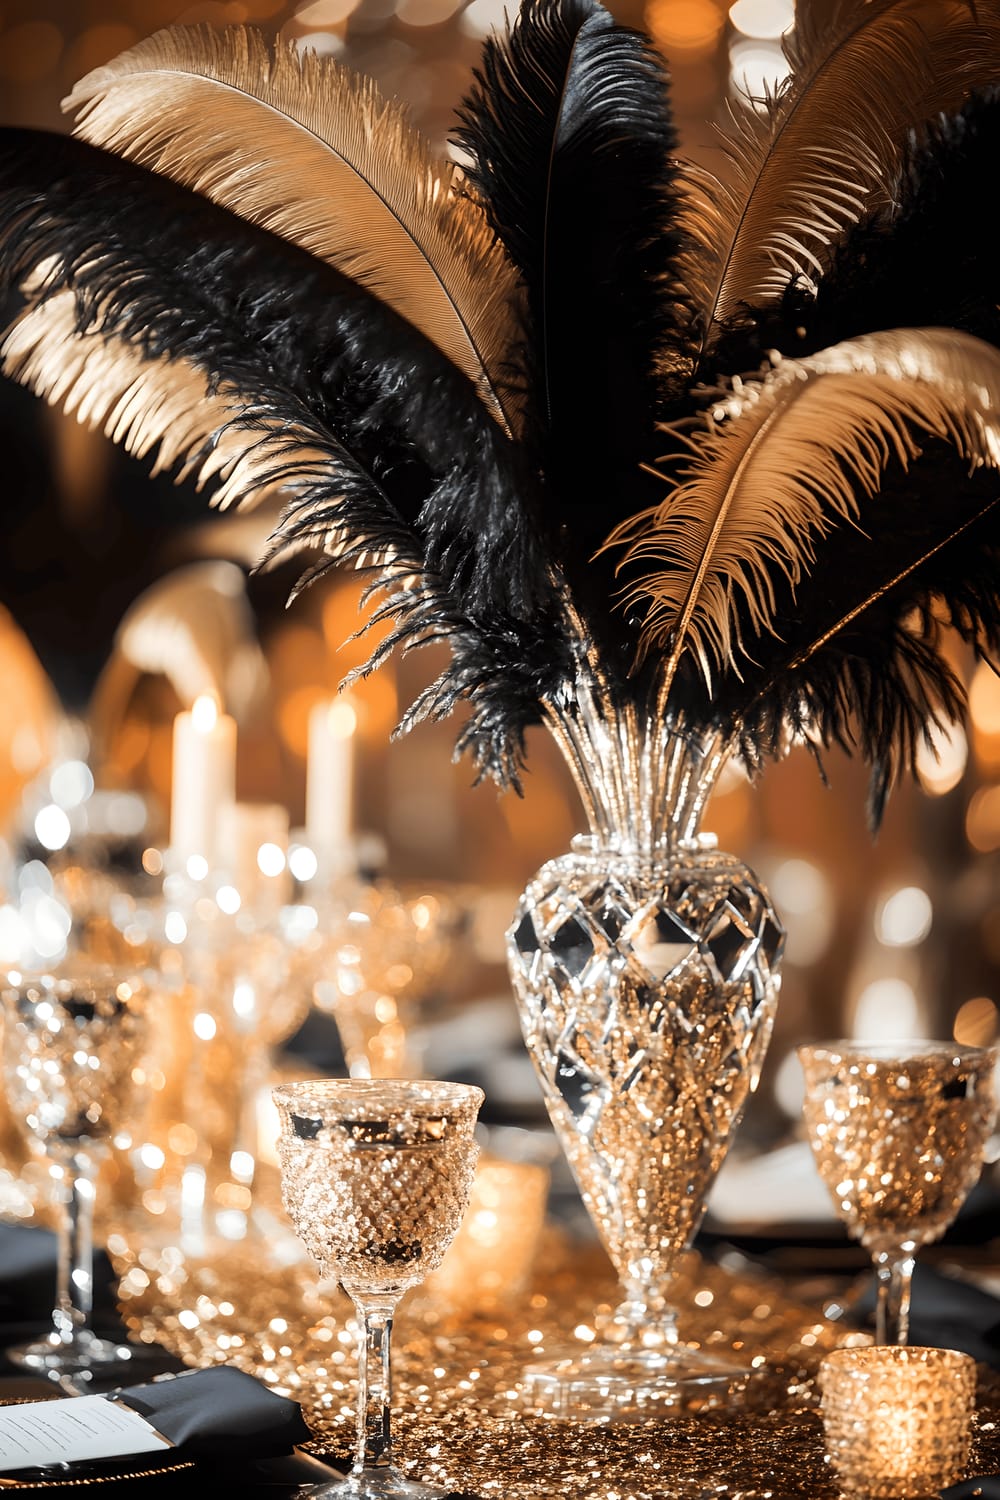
x=608, y=1383
x=87, y=1360
x=376, y=1484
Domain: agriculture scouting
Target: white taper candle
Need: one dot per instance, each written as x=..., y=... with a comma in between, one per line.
x=203, y=780
x=330, y=783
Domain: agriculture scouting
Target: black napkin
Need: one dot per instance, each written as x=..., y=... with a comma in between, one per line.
x=988, y=1488
x=28, y=1276
x=218, y=1412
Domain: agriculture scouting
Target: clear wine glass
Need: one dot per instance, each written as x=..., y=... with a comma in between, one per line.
x=72, y=1040
x=376, y=1176
x=898, y=1131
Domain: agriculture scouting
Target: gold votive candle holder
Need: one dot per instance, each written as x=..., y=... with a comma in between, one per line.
x=897, y=1419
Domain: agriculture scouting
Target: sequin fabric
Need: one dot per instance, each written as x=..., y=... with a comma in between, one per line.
x=457, y=1401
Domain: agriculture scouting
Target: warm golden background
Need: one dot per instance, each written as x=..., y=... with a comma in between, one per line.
x=894, y=935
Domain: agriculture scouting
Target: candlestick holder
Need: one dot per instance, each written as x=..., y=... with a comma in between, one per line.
x=897, y=1419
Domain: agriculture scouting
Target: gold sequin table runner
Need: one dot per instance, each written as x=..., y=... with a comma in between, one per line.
x=460, y=1419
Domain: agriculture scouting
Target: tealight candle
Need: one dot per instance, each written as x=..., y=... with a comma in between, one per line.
x=492, y=1256
x=330, y=783
x=203, y=781
x=897, y=1418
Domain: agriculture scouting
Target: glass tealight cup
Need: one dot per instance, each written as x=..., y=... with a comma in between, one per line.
x=897, y=1420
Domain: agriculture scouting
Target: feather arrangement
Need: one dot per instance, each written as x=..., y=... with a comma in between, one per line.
x=725, y=450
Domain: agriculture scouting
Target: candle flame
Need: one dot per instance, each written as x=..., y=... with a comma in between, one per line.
x=205, y=713
x=342, y=719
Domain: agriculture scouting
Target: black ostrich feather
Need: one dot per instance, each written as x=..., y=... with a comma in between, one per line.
x=321, y=388
x=571, y=141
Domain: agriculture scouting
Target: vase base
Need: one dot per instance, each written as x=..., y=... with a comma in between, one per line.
x=611, y=1384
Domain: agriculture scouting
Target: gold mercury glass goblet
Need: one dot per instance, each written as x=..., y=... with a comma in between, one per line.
x=898, y=1132
x=72, y=1040
x=376, y=1176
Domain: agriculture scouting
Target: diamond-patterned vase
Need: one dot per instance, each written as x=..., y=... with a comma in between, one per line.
x=646, y=978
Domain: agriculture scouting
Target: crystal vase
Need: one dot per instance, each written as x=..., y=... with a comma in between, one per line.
x=645, y=965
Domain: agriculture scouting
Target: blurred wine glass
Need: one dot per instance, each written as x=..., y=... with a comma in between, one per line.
x=73, y=1043
x=381, y=958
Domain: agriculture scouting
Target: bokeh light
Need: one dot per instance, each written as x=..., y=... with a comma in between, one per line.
x=904, y=918
x=984, y=716
x=684, y=25
x=941, y=764
x=885, y=1011
x=789, y=1085
x=320, y=14
x=976, y=1022
x=425, y=12
x=803, y=895
x=766, y=20
x=756, y=67
x=482, y=16
x=52, y=827
x=982, y=820
x=323, y=43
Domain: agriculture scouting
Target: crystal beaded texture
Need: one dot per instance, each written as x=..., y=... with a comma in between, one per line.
x=376, y=1183
x=897, y=1421
x=647, y=990
x=898, y=1133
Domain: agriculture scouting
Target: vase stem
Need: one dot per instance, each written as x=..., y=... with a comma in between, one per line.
x=643, y=783
x=643, y=1321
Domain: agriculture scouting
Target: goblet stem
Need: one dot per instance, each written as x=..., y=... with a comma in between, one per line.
x=894, y=1278
x=373, y=1445
x=74, y=1302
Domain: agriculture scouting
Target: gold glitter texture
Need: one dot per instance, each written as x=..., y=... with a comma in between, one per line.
x=898, y=1135
x=459, y=1413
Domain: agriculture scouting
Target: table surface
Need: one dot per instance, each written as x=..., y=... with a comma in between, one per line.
x=460, y=1420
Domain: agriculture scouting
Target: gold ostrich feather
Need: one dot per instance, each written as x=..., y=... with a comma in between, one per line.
x=313, y=152
x=783, y=460
x=149, y=406
x=804, y=167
